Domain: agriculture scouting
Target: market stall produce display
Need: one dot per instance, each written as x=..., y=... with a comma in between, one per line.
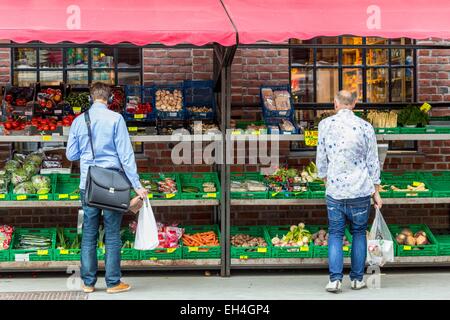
x=6, y=233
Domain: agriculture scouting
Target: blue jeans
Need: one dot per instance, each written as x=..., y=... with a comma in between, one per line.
x=356, y=211
x=89, y=265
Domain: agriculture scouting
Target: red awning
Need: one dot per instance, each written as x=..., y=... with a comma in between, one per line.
x=140, y=22
x=279, y=20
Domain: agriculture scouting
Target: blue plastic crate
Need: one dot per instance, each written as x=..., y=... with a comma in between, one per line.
x=144, y=94
x=276, y=113
x=167, y=115
x=200, y=94
x=276, y=122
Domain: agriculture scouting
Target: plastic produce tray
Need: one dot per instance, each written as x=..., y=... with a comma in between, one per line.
x=146, y=94
x=437, y=129
x=34, y=197
x=68, y=254
x=167, y=115
x=200, y=94
x=158, y=177
x=421, y=250
x=129, y=253
x=276, y=113
x=66, y=187
x=202, y=252
x=322, y=251
x=387, y=130
x=443, y=244
x=288, y=252
x=276, y=121
x=196, y=180
x=33, y=255
x=242, y=176
x=244, y=253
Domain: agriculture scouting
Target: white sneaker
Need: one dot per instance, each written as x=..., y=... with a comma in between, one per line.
x=357, y=285
x=334, y=286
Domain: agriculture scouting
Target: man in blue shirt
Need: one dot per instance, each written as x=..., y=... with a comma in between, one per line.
x=113, y=149
x=347, y=159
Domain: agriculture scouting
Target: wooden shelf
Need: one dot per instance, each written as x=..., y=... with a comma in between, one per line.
x=312, y=202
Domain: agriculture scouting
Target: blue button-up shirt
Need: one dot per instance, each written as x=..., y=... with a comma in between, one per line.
x=347, y=155
x=112, y=144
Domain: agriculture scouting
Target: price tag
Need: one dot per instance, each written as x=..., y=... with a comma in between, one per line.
x=170, y=195
x=42, y=252
x=22, y=257
x=47, y=138
x=311, y=137
x=58, y=111
x=132, y=129
x=43, y=197
x=211, y=195
x=153, y=258
x=262, y=250
x=173, y=114
x=63, y=196
x=416, y=183
x=425, y=107
x=171, y=250
x=76, y=110
x=28, y=113
x=345, y=248
x=21, y=197
x=304, y=248
x=236, y=132
x=62, y=251
x=2, y=196
x=74, y=197
x=193, y=249
x=150, y=196
x=243, y=257
x=139, y=116
x=407, y=248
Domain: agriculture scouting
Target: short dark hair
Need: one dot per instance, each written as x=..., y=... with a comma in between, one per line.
x=100, y=91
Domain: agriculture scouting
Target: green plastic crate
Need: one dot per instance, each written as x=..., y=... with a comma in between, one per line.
x=241, y=127
x=437, y=129
x=34, y=197
x=423, y=250
x=129, y=253
x=409, y=194
x=244, y=253
x=440, y=188
x=405, y=175
x=418, y=130
x=202, y=252
x=4, y=196
x=67, y=187
x=287, y=252
x=163, y=253
x=317, y=191
x=4, y=255
x=242, y=176
x=436, y=176
x=322, y=251
x=196, y=180
x=34, y=255
x=158, y=177
x=387, y=130
x=68, y=254
x=443, y=244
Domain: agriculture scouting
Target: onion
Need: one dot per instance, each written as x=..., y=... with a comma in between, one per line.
x=421, y=240
x=410, y=240
x=407, y=232
x=400, y=238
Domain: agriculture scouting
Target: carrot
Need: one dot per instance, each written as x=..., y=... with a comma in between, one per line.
x=208, y=238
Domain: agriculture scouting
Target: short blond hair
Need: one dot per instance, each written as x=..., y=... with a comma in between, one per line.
x=345, y=97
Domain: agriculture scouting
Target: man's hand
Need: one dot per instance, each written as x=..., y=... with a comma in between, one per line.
x=136, y=204
x=142, y=192
x=377, y=202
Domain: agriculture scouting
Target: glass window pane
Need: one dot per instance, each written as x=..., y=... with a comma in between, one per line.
x=302, y=57
x=24, y=78
x=51, y=58
x=377, y=85
x=77, y=57
x=352, y=81
x=376, y=40
x=352, y=56
x=302, y=84
x=402, y=83
x=103, y=58
x=77, y=78
x=352, y=40
x=129, y=78
x=402, y=57
x=129, y=58
x=327, y=56
x=327, y=84
x=24, y=58
x=50, y=78
x=106, y=76
x=377, y=57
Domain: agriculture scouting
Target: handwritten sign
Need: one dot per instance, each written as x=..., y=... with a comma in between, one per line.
x=311, y=138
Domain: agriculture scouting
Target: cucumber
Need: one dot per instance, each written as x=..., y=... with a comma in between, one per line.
x=190, y=189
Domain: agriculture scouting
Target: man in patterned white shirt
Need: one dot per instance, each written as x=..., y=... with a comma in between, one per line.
x=347, y=160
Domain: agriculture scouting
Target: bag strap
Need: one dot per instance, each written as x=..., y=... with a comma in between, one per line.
x=87, y=119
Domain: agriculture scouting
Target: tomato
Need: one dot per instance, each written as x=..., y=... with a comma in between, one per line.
x=52, y=128
x=46, y=127
x=15, y=124
x=8, y=125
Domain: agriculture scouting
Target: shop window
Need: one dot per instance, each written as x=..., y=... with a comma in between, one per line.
x=76, y=66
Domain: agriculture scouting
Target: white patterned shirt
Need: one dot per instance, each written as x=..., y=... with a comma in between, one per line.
x=347, y=155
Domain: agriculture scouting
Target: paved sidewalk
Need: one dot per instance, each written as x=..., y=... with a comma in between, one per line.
x=303, y=285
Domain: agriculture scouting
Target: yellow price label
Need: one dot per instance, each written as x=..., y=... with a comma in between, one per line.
x=63, y=196
x=236, y=132
x=47, y=138
x=170, y=195
x=62, y=251
x=243, y=257
x=345, y=248
x=257, y=132
x=193, y=249
x=139, y=116
x=171, y=250
x=425, y=107
x=42, y=252
x=2, y=196
x=153, y=259
x=22, y=197
x=311, y=137
x=43, y=197
x=262, y=250
x=74, y=197
x=211, y=195
x=150, y=196
x=76, y=110
x=304, y=248
x=407, y=248
x=416, y=183
x=132, y=129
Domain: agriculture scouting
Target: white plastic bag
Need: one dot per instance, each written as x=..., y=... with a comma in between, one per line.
x=380, y=246
x=146, y=230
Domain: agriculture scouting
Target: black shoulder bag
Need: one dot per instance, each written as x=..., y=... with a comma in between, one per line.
x=105, y=188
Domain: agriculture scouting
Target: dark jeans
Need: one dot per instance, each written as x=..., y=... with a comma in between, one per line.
x=89, y=264
x=356, y=211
